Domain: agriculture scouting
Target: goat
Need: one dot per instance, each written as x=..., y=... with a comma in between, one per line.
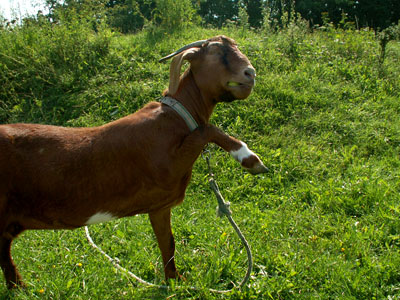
x=63, y=178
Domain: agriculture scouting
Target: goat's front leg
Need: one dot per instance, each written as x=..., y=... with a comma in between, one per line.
x=161, y=222
x=239, y=150
x=195, y=142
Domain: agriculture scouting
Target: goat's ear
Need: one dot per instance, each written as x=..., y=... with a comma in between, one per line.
x=175, y=68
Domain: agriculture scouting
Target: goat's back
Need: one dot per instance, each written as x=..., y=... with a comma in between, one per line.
x=51, y=173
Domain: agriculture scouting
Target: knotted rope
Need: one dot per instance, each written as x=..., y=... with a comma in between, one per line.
x=224, y=210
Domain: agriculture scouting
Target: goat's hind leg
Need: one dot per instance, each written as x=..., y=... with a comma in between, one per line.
x=13, y=279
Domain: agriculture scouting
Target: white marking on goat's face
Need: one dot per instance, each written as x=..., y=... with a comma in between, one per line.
x=41, y=150
x=242, y=153
x=100, y=217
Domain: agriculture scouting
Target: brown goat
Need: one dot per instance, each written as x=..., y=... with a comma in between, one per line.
x=63, y=178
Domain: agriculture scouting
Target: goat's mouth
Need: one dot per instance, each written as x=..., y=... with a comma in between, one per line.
x=233, y=83
x=236, y=84
x=238, y=90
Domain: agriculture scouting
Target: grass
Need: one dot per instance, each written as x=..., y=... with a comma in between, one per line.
x=324, y=223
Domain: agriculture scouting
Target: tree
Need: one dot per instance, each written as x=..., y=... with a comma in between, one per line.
x=129, y=15
x=172, y=14
x=377, y=14
x=254, y=10
x=312, y=10
x=91, y=11
x=216, y=12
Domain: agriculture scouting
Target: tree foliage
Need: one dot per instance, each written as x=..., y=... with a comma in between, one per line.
x=218, y=11
x=128, y=15
x=132, y=15
x=254, y=10
x=377, y=14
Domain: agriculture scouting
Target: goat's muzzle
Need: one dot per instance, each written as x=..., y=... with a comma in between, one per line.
x=242, y=85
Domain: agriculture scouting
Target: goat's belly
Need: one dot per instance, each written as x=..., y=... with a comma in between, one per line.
x=65, y=221
x=70, y=220
x=149, y=201
x=46, y=211
x=146, y=200
x=164, y=202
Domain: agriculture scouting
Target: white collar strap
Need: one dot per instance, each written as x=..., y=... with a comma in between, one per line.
x=181, y=110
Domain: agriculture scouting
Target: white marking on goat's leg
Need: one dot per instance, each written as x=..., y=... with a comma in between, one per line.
x=100, y=217
x=242, y=153
x=248, y=159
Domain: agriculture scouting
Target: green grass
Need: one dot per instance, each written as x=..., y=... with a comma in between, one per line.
x=324, y=223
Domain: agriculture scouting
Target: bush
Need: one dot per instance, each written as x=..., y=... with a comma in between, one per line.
x=172, y=15
x=385, y=36
x=129, y=16
x=42, y=63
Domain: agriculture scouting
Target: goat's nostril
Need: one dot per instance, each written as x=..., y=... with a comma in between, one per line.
x=250, y=72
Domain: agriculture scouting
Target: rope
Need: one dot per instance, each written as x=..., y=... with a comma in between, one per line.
x=116, y=264
x=222, y=210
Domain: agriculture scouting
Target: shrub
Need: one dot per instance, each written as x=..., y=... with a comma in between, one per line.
x=385, y=36
x=172, y=15
x=42, y=63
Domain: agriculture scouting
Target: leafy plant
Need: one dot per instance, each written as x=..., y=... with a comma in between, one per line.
x=385, y=36
x=172, y=15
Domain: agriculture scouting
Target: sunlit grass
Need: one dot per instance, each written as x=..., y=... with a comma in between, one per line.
x=324, y=223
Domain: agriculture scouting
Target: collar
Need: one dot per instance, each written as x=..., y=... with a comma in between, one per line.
x=181, y=110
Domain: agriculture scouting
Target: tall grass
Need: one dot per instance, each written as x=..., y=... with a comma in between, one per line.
x=45, y=65
x=324, y=116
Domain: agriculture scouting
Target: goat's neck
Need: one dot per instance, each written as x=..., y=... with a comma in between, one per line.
x=195, y=101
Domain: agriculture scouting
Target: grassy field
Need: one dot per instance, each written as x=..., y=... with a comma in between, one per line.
x=324, y=223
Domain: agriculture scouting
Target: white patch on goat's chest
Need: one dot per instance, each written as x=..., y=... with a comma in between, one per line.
x=242, y=153
x=100, y=217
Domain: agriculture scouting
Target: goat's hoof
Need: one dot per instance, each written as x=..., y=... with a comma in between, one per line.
x=171, y=274
x=258, y=169
x=180, y=277
x=14, y=286
x=177, y=277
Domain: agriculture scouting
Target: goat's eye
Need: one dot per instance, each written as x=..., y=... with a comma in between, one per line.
x=225, y=56
x=224, y=59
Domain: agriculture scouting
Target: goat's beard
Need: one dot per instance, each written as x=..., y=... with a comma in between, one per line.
x=226, y=97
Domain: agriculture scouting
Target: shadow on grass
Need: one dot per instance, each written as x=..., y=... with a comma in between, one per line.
x=7, y=294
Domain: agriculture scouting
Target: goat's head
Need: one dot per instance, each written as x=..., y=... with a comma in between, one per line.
x=220, y=70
